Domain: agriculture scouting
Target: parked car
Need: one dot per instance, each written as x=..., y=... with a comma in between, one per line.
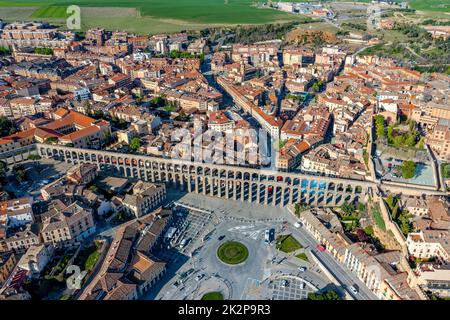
x=184, y=242
x=302, y=269
x=199, y=277
x=221, y=238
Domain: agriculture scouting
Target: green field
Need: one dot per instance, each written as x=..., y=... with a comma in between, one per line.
x=155, y=16
x=288, y=243
x=213, y=296
x=50, y=12
x=193, y=11
x=148, y=16
x=430, y=5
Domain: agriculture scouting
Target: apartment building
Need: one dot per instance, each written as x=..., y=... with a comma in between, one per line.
x=36, y=258
x=18, y=212
x=68, y=226
x=435, y=278
x=376, y=270
x=379, y=272
x=218, y=121
x=7, y=263
x=146, y=197
x=298, y=56
x=83, y=173
x=439, y=141
x=333, y=240
x=428, y=244
x=22, y=240
x=132, y=268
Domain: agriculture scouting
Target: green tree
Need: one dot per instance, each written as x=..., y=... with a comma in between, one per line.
x=348, y=208
x=45, y=51
x=361, y=207
x=19, y=172
x=4, y=51
x=135, y=143
x=380, y=126
x=408, y=169
x=395, y=211
x=6, y=127
x=34, y=157
x=327, y=295
x=391, y=201
x=3, y=170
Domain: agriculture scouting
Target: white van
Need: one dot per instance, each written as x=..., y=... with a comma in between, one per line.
x=267, y=237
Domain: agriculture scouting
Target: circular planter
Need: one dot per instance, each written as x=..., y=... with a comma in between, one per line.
x=232, y=253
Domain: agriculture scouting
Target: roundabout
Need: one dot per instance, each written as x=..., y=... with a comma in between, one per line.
x=232, y=253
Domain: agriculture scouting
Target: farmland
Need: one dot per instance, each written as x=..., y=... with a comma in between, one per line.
x=149, y=16
x=50, y=12
x=155, y=16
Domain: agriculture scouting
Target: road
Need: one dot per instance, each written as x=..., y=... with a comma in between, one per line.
x=344, y=276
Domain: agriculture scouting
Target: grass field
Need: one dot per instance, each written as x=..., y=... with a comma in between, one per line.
x=149, y=16
x=430, y=5
x=378, y=219
x=155, y=16
x=212, y=296
x=50, y=12
x=288, y=243
x=302, y=256
x=193, y=11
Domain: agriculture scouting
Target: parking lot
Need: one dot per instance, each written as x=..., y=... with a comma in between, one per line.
x=39, y=173
x=289, y=288
x=190, y=227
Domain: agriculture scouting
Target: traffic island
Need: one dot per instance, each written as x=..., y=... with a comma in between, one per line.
x=232, y=253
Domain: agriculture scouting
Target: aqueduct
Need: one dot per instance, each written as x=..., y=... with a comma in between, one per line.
x=231, y=182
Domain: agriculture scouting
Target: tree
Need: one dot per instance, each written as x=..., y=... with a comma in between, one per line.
x=45, y=51
x=403, y=222
x=327, y=295
x=135, y=143
x=3, y=170
x=34, y=157
x=20, y=172
x=395, y=211
x=6, y=127
x=380, y=126
x=51, y=140
x=361, y=207
x=347, y=208
x=317, y=86
x=408, y=169
x=4, y=51
x=391, y=201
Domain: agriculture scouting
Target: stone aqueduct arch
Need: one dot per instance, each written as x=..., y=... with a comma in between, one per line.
x=230, y=182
